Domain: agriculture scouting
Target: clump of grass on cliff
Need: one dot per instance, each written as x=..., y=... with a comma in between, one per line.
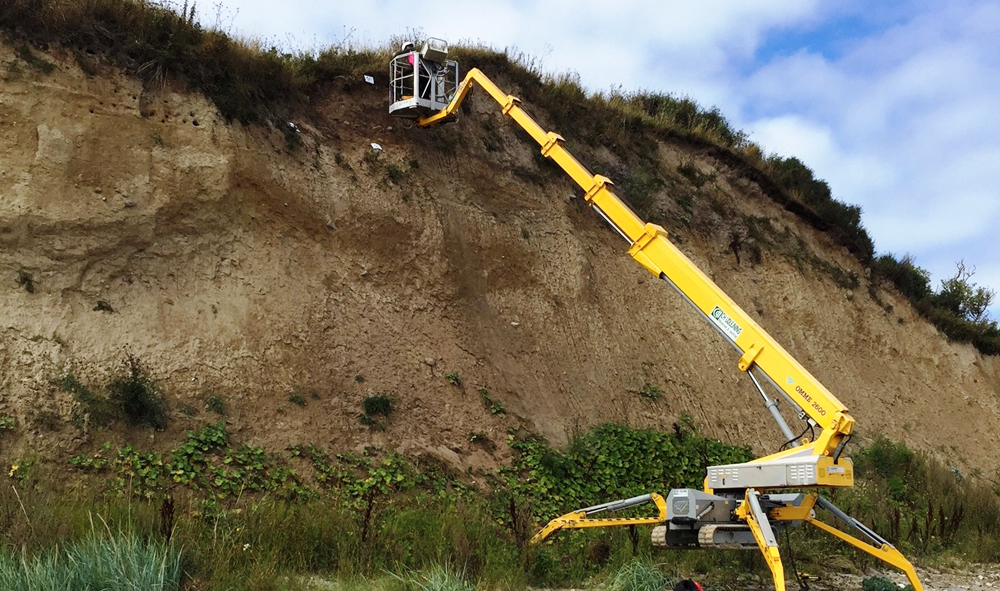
x=131, y=395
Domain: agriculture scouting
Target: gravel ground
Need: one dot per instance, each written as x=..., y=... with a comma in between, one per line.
x=975, y=577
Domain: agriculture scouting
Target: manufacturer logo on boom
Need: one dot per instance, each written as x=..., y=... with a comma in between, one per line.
x=724, y=322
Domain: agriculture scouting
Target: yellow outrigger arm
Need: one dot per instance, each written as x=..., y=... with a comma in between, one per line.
x=753, y=514
x=876, y=546
x=580, y=518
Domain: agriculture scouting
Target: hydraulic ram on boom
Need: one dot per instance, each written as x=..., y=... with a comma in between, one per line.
x=735, y=508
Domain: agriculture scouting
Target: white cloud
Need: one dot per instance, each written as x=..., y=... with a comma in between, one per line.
x=903, y=124
x=629, y=42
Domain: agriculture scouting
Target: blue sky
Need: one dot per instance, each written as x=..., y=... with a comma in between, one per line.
x=896, y=104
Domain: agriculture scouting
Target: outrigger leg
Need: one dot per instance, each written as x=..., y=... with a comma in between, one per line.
x=877, y=546
x=755, y=516
x=580, y=518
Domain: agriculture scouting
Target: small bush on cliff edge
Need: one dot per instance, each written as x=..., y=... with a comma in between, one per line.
x=911, y=280
x=959, y=309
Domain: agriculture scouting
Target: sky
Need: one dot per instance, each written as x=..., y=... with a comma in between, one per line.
x=896, y=104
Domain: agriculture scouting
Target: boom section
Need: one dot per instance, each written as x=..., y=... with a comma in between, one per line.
x=651, y=249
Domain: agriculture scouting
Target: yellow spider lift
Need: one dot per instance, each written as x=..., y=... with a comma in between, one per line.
x=740, y=506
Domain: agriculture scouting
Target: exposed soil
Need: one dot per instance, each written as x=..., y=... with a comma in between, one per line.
x=257, y=264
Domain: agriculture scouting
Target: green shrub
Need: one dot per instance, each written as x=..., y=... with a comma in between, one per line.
x=36, y=63
x=612, y=462
x=70, y=383
x=911, y=280
x=217, y=404
x=380, y=404
x=97, y=409
x=25, y=280
x=394, y=173
x=650, y=391
x=988, y=344
x=886, y=458
x=963, y=298
x=494, y=406
x=840, y=220
x=959, y=309
x=205, y=461
x=985, y=336
x=640, y=186
x=135, y=395
x=7, y=424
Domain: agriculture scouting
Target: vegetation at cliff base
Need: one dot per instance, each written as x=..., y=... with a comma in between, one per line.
x=239, y=516
x=611, y=462
x=245, y=517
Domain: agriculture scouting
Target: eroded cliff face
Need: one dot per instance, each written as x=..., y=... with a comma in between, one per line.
x=255, y=265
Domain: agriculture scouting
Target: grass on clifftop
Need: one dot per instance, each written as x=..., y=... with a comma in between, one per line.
x=248, y=81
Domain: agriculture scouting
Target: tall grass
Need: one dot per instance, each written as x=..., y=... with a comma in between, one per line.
x=638, y=575
x=435, y=578
x=263, y=540
x=923, y=504
x=256, y=544
x=110, y=561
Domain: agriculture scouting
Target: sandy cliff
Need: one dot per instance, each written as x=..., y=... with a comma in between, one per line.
x=255, y=265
